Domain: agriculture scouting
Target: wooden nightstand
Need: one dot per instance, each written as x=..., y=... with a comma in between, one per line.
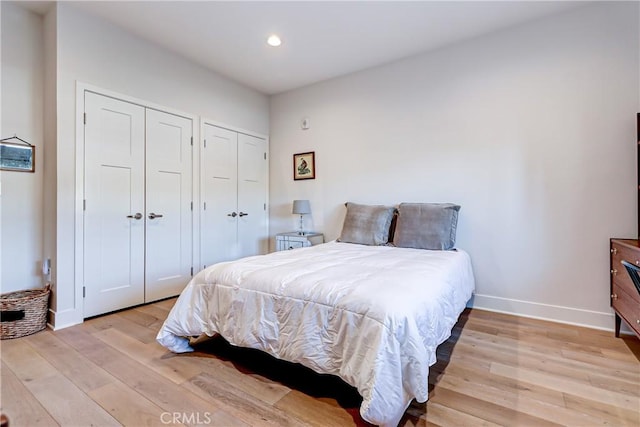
x=293, y=240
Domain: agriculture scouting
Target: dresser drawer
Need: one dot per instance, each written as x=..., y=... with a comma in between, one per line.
x=619, y=273
x=620, y=252
x=284, y=245
x=294, y=240
x=623, y=280
x=627, y=307
x=293, y=244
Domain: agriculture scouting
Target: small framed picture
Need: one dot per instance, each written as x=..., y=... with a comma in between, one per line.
x=17, y=157
x=304, y=166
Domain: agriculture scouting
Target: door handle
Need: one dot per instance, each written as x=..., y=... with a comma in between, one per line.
x=233, y=215
x=154, y=216
x=243, y=214
x=136, y=216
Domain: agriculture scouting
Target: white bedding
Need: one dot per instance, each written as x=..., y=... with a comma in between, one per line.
x=372, y=315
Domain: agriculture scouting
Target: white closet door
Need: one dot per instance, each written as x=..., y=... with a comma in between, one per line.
x=252, y=196
x=219, y=229
x=168, y=204
x=114, y=194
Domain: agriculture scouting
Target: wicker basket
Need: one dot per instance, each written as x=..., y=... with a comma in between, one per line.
x=23, y=312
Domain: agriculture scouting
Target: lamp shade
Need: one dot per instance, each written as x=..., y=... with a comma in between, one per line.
x=301, y=207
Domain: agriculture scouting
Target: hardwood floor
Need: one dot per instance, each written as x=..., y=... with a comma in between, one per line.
x=494, y=370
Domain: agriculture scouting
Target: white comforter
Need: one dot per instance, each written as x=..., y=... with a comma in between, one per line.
x=372, y=315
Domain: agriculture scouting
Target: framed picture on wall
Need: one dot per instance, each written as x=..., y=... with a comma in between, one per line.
x=17, y=157
x=304, y=165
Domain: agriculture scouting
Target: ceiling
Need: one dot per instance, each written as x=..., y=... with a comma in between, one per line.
x=320, y=39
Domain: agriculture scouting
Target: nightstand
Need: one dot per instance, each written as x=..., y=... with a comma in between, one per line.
x=293, y=240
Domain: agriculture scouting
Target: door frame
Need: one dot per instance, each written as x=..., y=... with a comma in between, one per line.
x=206, y=121
x=76, y=315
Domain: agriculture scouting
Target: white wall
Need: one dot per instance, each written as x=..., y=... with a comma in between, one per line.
x=531, y=130
x=92, y=51
x=22, y=114
x=0, y=134
x=50, y=136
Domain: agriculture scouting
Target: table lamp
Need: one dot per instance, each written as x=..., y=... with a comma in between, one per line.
x=301, y=207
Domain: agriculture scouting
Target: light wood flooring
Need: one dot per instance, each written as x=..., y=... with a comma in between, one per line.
x=494, y=370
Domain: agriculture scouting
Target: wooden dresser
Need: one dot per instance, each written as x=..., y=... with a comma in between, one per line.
x=625, y=298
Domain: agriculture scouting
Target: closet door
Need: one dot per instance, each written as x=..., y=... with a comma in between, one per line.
x=168, y=204
x=114, y=204
x=234, y=195
x=219, y=229
x=252, y=196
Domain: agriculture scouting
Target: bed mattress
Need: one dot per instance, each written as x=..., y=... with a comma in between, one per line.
x=373, y=315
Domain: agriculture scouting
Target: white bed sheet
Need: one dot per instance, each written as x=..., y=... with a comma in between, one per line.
x=372, y=315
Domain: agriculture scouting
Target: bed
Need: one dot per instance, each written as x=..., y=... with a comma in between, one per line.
x=370, y=314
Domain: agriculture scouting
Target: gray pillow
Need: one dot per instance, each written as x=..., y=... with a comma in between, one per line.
x=366, y=224
x=426, y=226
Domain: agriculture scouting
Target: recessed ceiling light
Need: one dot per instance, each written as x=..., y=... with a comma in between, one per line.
x=274, y=40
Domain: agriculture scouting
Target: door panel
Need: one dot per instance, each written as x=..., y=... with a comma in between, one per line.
x=114, y=229
x=252, y=196
x=219, y=196
x=168, y=258
x=114, y=189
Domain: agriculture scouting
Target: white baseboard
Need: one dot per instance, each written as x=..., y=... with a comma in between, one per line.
x=64, y=319
x=553, y=313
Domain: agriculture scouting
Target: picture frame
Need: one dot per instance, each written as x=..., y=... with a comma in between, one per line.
x=304, y=166
x=17, y=157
